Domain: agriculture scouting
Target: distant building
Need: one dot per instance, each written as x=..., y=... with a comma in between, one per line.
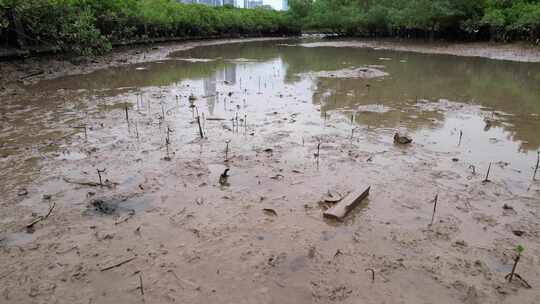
x=211, y=2
x=253, y=3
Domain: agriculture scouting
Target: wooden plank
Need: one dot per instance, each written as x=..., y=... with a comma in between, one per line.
x=341, y=209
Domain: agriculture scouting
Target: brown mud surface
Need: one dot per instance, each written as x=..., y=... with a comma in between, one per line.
x=522, y=52
x=131, y=205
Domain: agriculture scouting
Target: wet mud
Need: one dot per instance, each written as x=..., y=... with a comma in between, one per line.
x=133, y=158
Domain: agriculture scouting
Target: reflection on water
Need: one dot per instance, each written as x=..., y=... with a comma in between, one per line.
x=509, y=87
x=502, y=98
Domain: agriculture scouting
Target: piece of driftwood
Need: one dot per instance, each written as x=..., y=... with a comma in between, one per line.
x=341, y=209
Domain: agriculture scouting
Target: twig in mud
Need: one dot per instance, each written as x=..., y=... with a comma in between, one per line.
x=434, y=208
x=83, y=127
x=118, y=264
x=537, y=164
x=460, y=136
x=99, y=175
x=127, y=113
x=227, y=150
x=9, y=272
x=130, y=214
x=236, y=119
x=473, y=167
x=372, y=274
x=486, y=180
x=88, y=184
x=141, y=286
x=137, y=130
x=200, y=127
x=162, y=111
x=168, y=138
x=41, y=218
x=352, y=118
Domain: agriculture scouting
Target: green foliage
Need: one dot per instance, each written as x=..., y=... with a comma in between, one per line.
x=495, y=19
x=520, y=249
x=92, y=26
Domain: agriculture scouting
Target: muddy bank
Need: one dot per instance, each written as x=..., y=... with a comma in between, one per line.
x=513, y=52
x=121, y=175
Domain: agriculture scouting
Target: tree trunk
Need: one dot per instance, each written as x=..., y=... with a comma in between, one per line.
x=18, y=29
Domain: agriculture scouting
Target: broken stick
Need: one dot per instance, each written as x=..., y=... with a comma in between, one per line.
x=537, y=164
x=41, y=218
x=118, y=264
x=341, y=209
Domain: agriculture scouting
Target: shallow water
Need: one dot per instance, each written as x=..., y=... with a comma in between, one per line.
x=469, y=91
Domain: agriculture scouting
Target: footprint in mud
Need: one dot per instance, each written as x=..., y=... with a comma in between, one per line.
x=109, y=205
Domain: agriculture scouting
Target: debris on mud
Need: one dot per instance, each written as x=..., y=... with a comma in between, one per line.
x=400, y=137
x=22, y=192
x=111, y=205
x=361, y=72
x=224, y=178
x=30, y=227
x=271, y=212
x=107, y=183
x=342, y=208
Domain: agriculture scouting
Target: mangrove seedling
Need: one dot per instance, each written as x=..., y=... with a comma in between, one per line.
x=201, y=133
x=537, y=164
x=435, y=200
x=460, y=136
x=519, y=250
x=486, y=180
x=99, y=175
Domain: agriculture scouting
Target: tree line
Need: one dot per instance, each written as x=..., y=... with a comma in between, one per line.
x=93, y=26
x=501, y=20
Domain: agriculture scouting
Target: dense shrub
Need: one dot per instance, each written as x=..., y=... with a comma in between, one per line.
x=456, y=19
x=91, y=26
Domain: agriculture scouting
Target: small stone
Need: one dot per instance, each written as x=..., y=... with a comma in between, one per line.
x=461, y=243
x=507, y=207
x=402, y=139
x=22, y=192
x=518, y=232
